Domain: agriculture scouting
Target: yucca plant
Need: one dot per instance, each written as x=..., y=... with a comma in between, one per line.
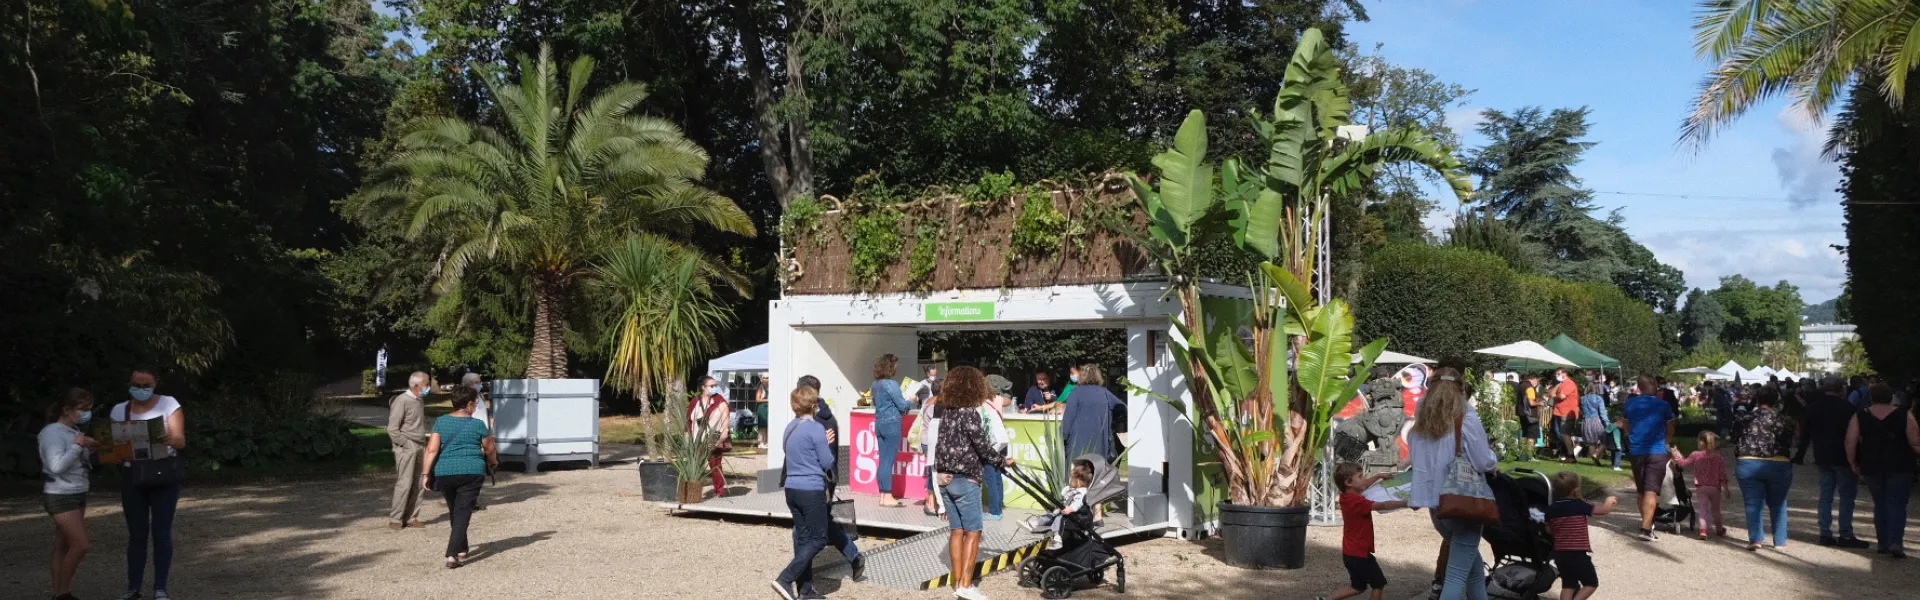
x=685, y=448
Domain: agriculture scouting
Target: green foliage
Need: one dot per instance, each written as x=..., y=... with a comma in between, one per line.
x=1883, y=230
x=1411, y=287
x=800, y=222
x=923, y=260
x=875, y=240
x=666, y=310
x=686, y=451
x=1492, y=236
x=1037, y=231
x=1702, y=320
x=1756, y=314
x=1808, y=50
x=295, y=439
x=991, y=188
x=1493, y=400
x=1852, y=356
x=568, y=179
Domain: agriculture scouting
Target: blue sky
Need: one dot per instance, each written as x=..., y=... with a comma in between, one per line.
x=1633, y=63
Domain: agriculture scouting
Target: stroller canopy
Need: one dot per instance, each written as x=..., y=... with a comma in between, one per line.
x=1106, y=484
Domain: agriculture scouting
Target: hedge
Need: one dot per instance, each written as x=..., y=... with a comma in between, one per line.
x=1444, y=302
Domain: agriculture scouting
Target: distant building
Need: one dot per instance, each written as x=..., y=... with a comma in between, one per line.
x=1820, y=341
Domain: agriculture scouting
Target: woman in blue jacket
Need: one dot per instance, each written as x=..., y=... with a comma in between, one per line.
x=889, y=404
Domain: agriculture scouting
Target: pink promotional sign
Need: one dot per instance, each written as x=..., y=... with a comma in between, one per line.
x=909, y=468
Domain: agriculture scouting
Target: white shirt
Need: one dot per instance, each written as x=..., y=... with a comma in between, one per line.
x=163, y=406
x=1430, y=457
x=480, y=409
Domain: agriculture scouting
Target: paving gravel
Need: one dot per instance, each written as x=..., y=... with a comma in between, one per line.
x=588, y=534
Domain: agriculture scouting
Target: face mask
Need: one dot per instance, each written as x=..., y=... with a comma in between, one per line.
x=140, y=394
x=479, y=387
x=1075, y=378
x=423, y=392
x=84, y=417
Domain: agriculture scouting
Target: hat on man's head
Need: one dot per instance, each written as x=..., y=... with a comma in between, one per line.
x=1000, y=384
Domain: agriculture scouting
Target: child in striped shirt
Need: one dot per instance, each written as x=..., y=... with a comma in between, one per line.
x=1572, y=551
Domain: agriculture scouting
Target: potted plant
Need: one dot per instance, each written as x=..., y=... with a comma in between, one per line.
x=686, y=449
x=1267, y=419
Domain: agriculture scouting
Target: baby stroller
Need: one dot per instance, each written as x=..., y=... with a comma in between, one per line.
x=1522, y=545
x=1083, y=556
x=1675, y=512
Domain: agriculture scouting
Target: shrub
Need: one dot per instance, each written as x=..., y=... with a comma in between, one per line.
x=288, y=440
x=1445, y=302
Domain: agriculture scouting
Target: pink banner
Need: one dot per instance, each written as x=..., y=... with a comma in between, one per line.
x=909, y=468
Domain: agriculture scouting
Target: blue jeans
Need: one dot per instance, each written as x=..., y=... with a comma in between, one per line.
x=810, y=526
x=1848, y=484
x=1466, y=569
x=149, y=511
x=886, y=437
x=1763, y=485
x=996, y=489
x=1890, y=494
x=963, y=504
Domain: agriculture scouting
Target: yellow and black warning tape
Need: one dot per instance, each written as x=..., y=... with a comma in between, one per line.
x=1008, y=560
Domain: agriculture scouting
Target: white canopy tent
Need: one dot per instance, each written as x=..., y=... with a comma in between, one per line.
x=749, y=364
x=1709, y=373
x=1389, y=357
x=1528, y=351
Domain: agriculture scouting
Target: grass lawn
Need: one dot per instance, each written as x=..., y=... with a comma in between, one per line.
x=1594, y=481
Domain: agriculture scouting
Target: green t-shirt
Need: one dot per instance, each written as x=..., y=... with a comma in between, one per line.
x=460, y=452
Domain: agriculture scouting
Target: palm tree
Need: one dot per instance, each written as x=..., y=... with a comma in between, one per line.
x=668, y=311
x=565, y=182
x=1810, y=49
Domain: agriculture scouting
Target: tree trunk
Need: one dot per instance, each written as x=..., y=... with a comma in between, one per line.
x=767, y=127
x=800, y=148
x=549, y=357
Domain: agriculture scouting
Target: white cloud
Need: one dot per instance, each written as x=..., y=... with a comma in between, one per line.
x=1464, y=119
x=1802, y=256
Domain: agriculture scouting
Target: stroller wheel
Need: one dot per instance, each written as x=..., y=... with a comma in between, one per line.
x=1055, y=583
x=1120, y=578
x=1030, y=571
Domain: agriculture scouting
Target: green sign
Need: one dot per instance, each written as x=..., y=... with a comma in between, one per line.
x=959, y=311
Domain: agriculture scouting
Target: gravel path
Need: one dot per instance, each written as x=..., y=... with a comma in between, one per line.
x=587, y=534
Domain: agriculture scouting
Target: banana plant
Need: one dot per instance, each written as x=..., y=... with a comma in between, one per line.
x=1267, y=421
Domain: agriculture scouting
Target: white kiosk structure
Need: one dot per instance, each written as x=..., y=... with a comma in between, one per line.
x=834, y=325
x=837, y=338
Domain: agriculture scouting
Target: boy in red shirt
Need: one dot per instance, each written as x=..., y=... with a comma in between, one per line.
x=1572, y=551
x=1356, y=539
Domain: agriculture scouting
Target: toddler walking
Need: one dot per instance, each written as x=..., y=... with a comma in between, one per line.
x=1356, y=539
x=1709, y=481
x=1572, y=551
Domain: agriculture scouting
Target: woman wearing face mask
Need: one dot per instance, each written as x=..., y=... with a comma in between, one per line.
x=63, y=463
x=149, y=505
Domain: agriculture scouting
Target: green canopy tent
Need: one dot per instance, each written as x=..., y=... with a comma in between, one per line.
x=1586, y=358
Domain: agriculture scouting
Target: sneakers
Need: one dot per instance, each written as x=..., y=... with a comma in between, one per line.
x=1852, y=542
x=859, y=567
x=990, y=517
x=1616, y=469
x=969, y=593
x=1053, y=543
x=1647, y=535
x=785, y=589
x=160, y=595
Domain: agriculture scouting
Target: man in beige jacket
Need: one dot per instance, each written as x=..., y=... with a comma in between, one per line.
x=407, y=429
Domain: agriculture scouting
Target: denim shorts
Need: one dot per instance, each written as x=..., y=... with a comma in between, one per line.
x=963, y=504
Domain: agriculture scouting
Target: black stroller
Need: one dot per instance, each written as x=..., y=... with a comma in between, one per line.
x=1083, y=556
x=1677, y=516
x=1522, y=545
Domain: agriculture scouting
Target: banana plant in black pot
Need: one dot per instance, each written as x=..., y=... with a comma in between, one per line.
x=1265, y=376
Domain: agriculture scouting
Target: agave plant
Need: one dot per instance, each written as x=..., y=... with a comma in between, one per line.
x=686, y=450
x=1268, y=427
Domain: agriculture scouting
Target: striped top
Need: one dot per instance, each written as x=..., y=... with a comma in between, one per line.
x=460, y=452
x=1567, y=521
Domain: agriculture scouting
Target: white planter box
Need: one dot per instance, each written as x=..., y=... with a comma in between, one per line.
x=547, y=420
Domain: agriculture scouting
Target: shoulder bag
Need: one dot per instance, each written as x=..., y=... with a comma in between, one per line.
x=1465, y=494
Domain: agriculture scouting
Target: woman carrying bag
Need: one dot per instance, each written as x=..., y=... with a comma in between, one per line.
x=150, y=486
x=460, y=453
x=1449, y=454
